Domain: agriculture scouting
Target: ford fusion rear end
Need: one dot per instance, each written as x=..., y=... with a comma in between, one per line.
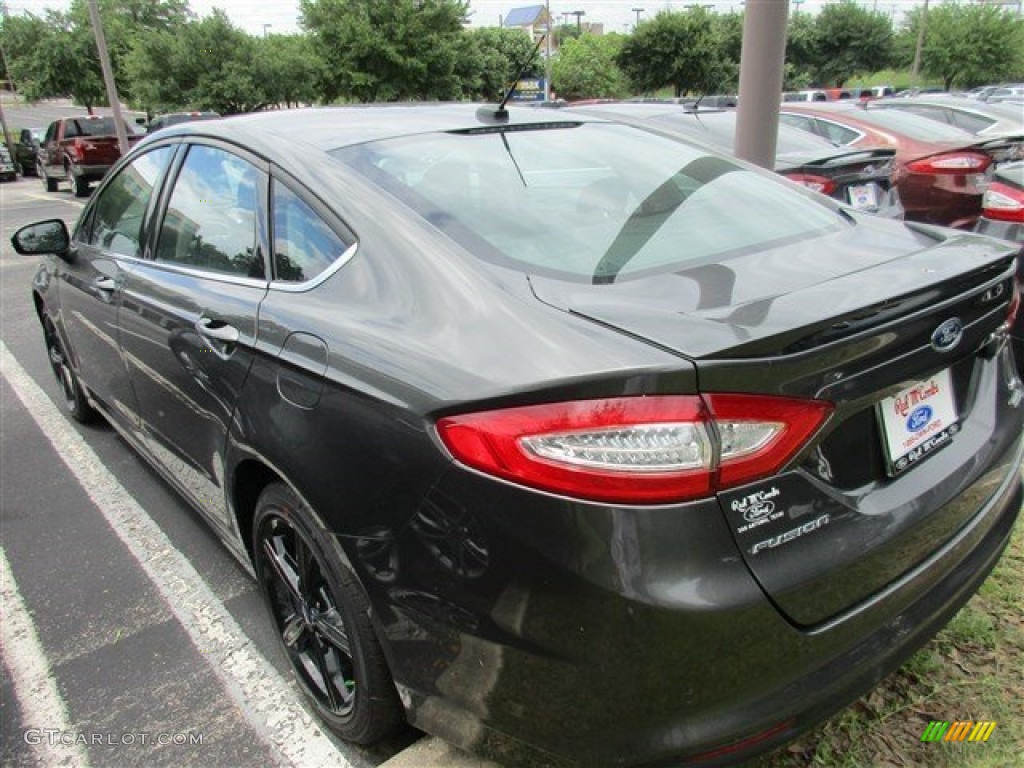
x=696, y=566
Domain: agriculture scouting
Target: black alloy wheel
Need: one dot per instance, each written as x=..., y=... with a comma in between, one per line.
x=75, y=399
x=322, y=619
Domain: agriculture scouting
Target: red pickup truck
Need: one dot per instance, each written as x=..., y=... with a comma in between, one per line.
x=79, y=150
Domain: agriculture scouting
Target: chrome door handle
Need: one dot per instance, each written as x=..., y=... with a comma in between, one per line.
x=221, y=332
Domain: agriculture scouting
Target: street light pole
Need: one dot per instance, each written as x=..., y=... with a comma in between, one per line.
x=547, y=52
x=108, y=77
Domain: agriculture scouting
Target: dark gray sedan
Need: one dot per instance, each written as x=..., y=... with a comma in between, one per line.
x=571, y=442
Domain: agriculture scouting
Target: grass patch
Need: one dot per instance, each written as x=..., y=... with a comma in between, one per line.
x=972, y=670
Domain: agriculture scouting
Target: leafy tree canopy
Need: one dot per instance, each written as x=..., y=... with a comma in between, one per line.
x=684, y=50
x=587, y=68
x=849, y=39
x=490, y=57
x=967, y=45
x=387, y=51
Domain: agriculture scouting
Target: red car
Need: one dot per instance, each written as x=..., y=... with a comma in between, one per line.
x=942, y=171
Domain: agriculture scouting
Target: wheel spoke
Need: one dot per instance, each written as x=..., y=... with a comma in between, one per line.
x=307, y=570
x=282, y=568
x=317, y=651
x=332, y=629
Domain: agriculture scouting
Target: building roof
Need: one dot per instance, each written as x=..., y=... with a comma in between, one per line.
x=525, y=17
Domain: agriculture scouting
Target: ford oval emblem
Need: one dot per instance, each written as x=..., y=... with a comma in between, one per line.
x=947, y=335
x=919, y=418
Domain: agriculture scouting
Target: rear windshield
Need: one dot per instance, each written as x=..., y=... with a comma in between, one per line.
x=593, y=202
x=719, y=130
x=915, y=126
x=102, y=126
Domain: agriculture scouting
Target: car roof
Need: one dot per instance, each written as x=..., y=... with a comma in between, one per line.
x=328, y=128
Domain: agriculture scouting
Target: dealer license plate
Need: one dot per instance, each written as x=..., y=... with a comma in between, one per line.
x=864, y=196
x=918, y=421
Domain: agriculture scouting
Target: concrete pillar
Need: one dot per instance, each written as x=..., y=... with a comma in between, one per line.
x=761, y=69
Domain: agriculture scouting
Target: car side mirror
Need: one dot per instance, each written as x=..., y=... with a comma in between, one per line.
x=43, y=237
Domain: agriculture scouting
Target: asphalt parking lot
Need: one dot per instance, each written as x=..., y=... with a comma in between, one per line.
x=130, y=635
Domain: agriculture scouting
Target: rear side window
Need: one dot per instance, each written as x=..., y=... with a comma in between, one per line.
x=304, y=244
x=837, y=134
x=591, y=202
x=210, y=222
x=121, y=206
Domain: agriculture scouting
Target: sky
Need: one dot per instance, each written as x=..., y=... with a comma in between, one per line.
x=282, y=15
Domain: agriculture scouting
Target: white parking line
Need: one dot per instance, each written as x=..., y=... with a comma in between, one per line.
x=34, y=684
x=269, y=704
x=52, y=199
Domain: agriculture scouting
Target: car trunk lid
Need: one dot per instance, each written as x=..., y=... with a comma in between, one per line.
x=859, y=327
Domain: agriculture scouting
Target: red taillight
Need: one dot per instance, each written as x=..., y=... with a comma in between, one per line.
x=636, y=450
x=952, y=162
x=1003, y=202
x=818, y=183
x=77, y=150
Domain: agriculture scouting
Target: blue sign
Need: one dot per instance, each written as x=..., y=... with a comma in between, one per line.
x=529, y=89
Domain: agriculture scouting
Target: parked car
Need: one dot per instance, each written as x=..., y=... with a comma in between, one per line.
x=942, y=171
x=1002, y=213
x=79, y=150
x=811, y=95
x=26, y=150
x=1012, y=92
x=982, y=119
x=8, y=172
x=175, y=118
x=859, y=177
x=563, y=439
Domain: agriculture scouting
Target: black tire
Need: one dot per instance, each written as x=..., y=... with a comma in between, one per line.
x=75, y=400
x=321, y=615
x=79, y=183
x=50, y=184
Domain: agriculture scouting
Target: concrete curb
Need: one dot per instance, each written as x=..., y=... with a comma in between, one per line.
x=431, y=752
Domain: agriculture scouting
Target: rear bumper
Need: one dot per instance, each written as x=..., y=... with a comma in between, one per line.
x=592, y=636
x=90, y=172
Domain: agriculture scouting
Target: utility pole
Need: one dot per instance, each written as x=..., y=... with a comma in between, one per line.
x=638, y=11
x=578, y=15
x=265, y=28
x=547, y=51
x=108, y=77
x=920, y=44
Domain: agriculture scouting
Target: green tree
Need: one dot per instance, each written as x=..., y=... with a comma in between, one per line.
x=51, y=56
x=490, y=57
x=683, y=50
x=206, y=64
x=387, y=51
x=801, y=50
x=967, y=45
x=288, y=69
x=55, y=55
x=587, y=68
x=848, y=40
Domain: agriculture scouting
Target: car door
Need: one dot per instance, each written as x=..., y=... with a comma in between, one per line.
x=189, y=315
x=108, y=242
x=49, y=151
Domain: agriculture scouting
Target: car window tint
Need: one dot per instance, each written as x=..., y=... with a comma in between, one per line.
x=304, y=245
x=835, y=133
x=914, y=126
x=121, y=206
x=797, y=121
x=593, y=202
x=211, y=217
x=972, y=122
